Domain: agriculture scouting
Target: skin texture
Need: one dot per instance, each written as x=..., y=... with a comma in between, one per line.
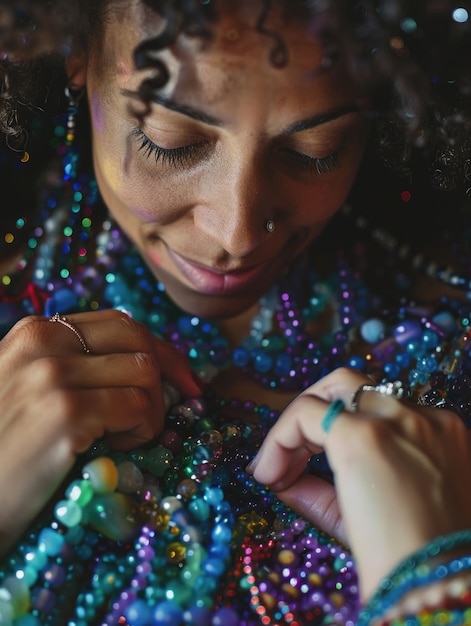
x=211, y=205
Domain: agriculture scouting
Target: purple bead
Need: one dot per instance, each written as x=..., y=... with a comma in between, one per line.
x=54, y=575
x=407, y=331
x=43, y=600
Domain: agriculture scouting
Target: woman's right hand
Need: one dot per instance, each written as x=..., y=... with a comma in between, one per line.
x=55, y=400
x=401, y=471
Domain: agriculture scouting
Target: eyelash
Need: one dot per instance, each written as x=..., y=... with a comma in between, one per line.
x=180, y=157
x=175, y=157
x=317, y=165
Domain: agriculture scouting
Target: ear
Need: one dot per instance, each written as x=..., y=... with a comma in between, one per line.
x=76, y=69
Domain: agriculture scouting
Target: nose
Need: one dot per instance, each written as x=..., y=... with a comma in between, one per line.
x=236, y=210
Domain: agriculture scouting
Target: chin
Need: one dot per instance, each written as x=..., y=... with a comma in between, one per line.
x=210, y=307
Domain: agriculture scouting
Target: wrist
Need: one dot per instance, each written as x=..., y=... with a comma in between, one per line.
x=432, y=575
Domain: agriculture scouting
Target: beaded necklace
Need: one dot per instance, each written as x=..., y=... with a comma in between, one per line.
x=188, y=491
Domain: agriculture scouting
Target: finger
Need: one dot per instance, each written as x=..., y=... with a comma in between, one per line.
x=88, y=414
x=315, y=500
x=107, y=370
x=295, y=437
x=340, y=384
x=122, y=333
x=105, y=332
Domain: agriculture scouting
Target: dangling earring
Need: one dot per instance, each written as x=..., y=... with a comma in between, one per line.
x=71, y=152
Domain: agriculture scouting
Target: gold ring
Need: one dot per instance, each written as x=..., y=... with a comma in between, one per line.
x=61, y=319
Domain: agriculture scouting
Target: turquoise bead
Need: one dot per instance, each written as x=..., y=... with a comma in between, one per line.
x=373, y=330
x=68, y=513
x=28, y=574
x=199, y=509
x=50, y=541
x=36, y=558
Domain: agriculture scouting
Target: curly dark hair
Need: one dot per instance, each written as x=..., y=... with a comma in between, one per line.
x=409, y=60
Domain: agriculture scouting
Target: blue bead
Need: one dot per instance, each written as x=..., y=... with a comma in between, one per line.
x=357, y=363
x=198, y=616
x=221, y=534
x=262, y=361
x=185, y=325
x=418, y=378
x=446, y=321
x=427, y=364
x=283, y=364
x=214, y=496
x=431, y=338
x=392, y=370
x=167, y=613
x=63, y=300
x=225, y=617
x=139, y=613
x=240, y=357
x=214, y=567
x=403, y=359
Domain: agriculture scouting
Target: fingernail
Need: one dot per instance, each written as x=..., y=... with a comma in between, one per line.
x=253, y=464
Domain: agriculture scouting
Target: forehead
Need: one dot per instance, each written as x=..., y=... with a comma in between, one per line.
x=242, y=33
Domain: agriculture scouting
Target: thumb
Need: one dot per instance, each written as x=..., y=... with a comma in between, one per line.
x=315, y=499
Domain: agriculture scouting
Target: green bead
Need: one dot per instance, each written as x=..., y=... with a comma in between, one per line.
x=115, y=515
x=80, y=491
x=179, y=592
x=20, y=595
x=158, y=460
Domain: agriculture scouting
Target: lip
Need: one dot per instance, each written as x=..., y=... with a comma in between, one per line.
x=214, y=282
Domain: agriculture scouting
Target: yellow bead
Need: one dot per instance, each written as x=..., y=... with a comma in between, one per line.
x=102, y=474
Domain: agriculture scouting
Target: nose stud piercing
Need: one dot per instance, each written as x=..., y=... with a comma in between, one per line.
x=270, y=226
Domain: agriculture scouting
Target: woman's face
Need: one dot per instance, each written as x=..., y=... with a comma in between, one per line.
x=234, y=143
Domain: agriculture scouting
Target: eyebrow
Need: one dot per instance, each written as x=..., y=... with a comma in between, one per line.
x=322, y=118
x=201, y=116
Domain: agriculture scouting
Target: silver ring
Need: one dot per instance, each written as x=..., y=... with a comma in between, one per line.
x=270, y=225
x=394, y=389
x=61, y=319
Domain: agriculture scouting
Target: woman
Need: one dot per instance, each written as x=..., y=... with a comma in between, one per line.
x=224, y=149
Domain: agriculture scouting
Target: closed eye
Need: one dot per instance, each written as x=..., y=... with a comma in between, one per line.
x=179, y=157
x=316, y=165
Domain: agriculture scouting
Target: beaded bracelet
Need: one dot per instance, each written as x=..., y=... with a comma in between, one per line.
x=422, y=576
x=443, y=617
x=412, y=573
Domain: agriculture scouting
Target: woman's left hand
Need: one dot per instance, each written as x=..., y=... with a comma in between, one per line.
x=401, y=471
